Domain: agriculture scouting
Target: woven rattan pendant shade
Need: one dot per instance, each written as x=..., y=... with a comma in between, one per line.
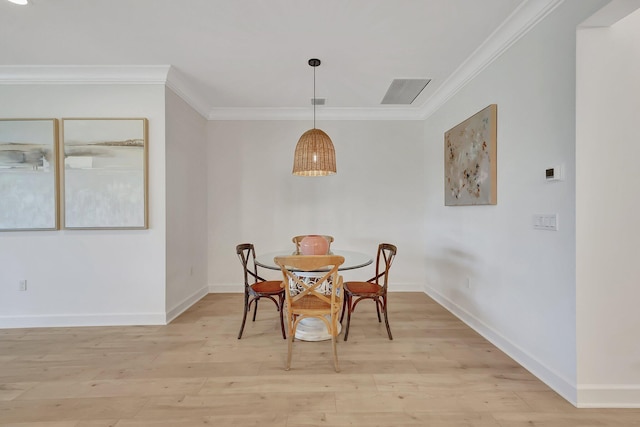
x=314, y=155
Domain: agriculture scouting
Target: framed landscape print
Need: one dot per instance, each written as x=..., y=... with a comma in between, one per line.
x=470, y=168
x=28, y=174
x=105, y=173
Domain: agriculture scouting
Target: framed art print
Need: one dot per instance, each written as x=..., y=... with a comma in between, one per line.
x=105, y=173
x=28, y=174
x=470, y=166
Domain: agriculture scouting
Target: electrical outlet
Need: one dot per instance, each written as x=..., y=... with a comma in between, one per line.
x=22, y=285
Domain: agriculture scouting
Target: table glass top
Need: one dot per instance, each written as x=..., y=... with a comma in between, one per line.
x=352, y=259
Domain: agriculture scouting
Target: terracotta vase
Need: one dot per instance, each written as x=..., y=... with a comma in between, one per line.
x=314, y=244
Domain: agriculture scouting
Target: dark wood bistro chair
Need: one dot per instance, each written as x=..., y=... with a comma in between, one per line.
x=309, y=296
x=255, y=287
x=374, y=288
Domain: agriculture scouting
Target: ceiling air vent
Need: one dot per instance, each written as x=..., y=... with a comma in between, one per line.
x=318, y=101
x=404, y=91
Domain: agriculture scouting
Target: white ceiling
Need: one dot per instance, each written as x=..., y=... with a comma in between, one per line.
x=248, y=58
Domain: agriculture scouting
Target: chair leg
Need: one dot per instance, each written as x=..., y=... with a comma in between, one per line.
x=255, y=309
x=281, y=309
x=292, y=332
x=377, y=301
x=335, y=351
x=344, y=306
x=289, y=351
x=346, y=332
x=244, y=316
x=386, y=317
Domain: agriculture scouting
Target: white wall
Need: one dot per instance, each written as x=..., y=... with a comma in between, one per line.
x=607, y=234
x=377, y=195
x=90, y=277
x=186, y=186
x=521, y=281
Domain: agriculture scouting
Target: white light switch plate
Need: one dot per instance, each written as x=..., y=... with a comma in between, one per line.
x=545, y=222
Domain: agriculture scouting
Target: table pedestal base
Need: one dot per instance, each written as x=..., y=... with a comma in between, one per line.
x=311, y=329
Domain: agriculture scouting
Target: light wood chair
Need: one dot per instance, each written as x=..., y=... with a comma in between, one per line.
x=296, y=240
x=374, y=288
x=307, y=296
x=255, y=287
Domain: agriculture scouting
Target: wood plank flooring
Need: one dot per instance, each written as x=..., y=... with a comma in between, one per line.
x=436, y=372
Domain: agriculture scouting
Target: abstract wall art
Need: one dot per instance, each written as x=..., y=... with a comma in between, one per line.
x=28, y=174
x=470, y=169
x=105, y=173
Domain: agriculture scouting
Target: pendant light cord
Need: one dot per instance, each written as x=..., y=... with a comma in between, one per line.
x=314, y=62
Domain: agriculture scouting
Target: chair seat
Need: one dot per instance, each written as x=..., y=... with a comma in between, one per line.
x=309, y=302
x=268, y=287
x=362, y=288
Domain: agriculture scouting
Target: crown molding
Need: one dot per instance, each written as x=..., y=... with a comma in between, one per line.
x=178, y=83
x=519, y=23
x=107, y=74
x=77, y=74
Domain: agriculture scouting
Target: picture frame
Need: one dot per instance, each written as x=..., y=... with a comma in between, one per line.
x=104, y=174
x=29, y=174
x=470, y=160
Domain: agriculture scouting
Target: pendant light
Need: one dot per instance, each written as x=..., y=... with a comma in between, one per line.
x=314, y=155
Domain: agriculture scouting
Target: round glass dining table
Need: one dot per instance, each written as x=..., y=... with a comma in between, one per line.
x=352, y=260
x=311, y=329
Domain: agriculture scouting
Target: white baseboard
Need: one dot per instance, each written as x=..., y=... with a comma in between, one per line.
x=105, y=319
x=68, y=320
x=186, y=303
x=559, y=384
x=609, y=396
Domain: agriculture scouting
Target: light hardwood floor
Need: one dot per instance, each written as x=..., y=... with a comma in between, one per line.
x=436, y=372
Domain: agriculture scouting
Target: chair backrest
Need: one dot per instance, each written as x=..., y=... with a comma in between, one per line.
x=296, y=240
x=384, y=259
x=247, y=255
x=300, y=287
